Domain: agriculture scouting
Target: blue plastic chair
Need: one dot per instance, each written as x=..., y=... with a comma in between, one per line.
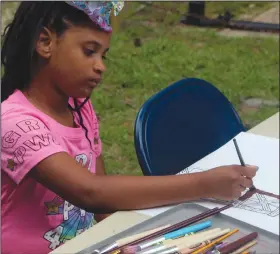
x=182, y=124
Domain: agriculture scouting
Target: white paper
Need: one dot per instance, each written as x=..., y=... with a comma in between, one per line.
x=260, y=211
x=256, y=150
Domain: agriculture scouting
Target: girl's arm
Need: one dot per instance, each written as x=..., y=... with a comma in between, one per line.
x=104, y=194
x=100, y=167
x=100, y=170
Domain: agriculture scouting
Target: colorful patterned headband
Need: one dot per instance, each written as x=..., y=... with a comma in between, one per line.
x=99, y=11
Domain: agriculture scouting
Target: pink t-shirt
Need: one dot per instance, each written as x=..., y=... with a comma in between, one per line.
x=34, y=219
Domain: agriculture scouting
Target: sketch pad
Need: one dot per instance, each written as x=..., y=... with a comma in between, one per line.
x=259, y=210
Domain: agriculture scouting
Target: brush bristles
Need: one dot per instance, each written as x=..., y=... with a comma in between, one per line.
x=130, y=249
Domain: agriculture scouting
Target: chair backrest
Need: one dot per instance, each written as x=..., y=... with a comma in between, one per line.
x=182, y=124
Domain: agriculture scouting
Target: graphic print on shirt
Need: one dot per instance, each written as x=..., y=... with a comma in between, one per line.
x=75, y=220
x=34, y=143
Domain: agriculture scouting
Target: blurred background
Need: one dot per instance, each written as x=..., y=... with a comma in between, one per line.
x=151, y=49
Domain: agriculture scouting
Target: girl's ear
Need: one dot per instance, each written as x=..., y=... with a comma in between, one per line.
x=45, y=43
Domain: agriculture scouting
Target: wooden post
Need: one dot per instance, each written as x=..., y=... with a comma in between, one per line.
x=196, y=9
x=115, y=22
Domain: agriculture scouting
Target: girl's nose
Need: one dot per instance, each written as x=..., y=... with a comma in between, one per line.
x=99, y=66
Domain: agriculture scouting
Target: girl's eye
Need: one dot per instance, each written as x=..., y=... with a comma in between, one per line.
x=89, y=52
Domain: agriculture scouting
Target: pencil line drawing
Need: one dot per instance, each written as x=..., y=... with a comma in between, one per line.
x=258, y=203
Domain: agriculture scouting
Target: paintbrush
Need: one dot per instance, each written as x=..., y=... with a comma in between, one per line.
x=189, y=242
x=231, y=247
x=175, y=234
x=201, y=250
x=249, y=252
x=170, y=243
x=187, y=246
x=253, y=189
x=113, y=252
x=241, y=159
x=132, y=248
x=214, y=248
x=239, y=153
x=191, y=249
x=126, y=240
x=185, y=250
x=245, y=247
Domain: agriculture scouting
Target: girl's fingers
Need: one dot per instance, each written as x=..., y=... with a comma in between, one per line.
x=241, y=189
x=248, y=171
x=246, y=182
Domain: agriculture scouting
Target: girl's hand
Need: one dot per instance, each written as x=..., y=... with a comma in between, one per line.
x=228, y=182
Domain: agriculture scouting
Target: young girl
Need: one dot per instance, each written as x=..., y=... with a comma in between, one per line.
x=53, y=176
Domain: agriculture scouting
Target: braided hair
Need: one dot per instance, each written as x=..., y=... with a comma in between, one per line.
x=19, y=40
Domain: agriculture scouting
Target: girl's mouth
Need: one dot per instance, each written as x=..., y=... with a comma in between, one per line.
x=93, y=82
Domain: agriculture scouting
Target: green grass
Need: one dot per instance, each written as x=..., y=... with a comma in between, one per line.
x=170, y=12
x=239, y=67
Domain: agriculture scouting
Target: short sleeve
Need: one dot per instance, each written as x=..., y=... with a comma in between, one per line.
x=25, y=141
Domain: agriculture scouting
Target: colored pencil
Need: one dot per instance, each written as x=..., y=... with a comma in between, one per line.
x=245, y=247
x=216, y=241
x=231, y=247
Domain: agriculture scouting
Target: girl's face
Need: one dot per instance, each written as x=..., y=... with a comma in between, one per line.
x=75, y=59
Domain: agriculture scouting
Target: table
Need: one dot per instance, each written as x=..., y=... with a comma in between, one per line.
x=121, y=221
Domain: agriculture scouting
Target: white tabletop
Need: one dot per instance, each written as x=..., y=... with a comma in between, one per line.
x=121, y=221
x=269, y=127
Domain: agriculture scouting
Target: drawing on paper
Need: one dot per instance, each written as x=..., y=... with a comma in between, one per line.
x=258, y=203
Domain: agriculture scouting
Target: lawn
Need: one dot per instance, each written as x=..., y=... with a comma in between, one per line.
x=239, y=67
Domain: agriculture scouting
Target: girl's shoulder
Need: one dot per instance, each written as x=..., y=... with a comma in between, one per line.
x=16, y=107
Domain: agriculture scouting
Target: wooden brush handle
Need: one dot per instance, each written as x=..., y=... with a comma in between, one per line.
x=206, y=237
x=239, y=243
x=132, y=238
x=191, y=250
